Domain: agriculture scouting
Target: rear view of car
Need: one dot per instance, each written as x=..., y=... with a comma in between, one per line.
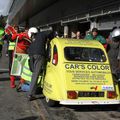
x=78, y=73
x=89, y=78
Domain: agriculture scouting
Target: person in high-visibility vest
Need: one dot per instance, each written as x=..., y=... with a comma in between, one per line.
x=1, y=40
x=22, y=44
x=24, y=84
x=20, y=48
x=9, y=32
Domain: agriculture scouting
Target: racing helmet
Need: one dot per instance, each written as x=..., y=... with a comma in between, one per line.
x=116, y=34
x=31, y=31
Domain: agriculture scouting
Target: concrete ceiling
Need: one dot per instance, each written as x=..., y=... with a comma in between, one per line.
x=25, y=9
x=45, y=11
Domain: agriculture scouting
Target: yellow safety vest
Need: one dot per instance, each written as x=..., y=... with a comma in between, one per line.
x=11, y=46
x=26, y=73
x=1, y=41
x=1, y=34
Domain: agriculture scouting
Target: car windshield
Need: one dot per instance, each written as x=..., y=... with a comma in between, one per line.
x=84, y=54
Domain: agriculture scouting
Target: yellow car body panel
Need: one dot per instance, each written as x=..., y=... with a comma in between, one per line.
x=91, y=79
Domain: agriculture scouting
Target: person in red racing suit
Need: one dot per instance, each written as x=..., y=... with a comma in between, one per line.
x=23, y=42
x=21, y=47
x=9, y=31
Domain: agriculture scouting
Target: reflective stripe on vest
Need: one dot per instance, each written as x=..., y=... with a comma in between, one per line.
x=1, y=34
x=1, y=42
x=11, y=46
x=26, y=73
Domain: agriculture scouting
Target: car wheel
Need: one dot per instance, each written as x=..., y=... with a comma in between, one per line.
x=50, y=102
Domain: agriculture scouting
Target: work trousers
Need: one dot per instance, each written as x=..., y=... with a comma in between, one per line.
x=10, y=54
x=0, y=50
x=38, y=62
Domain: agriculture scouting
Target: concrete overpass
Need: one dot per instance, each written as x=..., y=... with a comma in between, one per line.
x=96, y=13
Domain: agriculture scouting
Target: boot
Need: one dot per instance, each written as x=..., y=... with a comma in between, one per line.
x=18, y=87
x=22, y=80
x=12, y=82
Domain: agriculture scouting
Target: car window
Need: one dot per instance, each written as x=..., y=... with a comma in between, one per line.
x=84, y=54
x=55, y=55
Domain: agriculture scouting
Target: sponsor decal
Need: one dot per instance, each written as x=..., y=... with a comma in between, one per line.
x=87, y=67
x=94, y=87
x=108, y=87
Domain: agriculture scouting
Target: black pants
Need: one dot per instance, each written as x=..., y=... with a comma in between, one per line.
x=0, y=50
x=38, y=62
x=10, y=54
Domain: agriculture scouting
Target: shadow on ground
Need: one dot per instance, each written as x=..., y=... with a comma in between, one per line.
x=89, y=108
x=5, y=79
x=1, y=72
x=29, y=118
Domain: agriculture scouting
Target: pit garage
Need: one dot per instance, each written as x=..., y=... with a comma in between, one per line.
x=66, y=15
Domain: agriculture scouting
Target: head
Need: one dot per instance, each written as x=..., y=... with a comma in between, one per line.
x=116, y=34
x=73, y=34
x=78, y=34
x=94, y=32
x=32, y=31
x=26, y=29
x=16, y=27
x=51, y=35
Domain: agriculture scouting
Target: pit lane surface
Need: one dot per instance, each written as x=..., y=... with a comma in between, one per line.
x=15, y=106
x=62, y=112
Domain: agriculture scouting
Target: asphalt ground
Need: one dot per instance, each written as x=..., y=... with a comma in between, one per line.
x=14, y=105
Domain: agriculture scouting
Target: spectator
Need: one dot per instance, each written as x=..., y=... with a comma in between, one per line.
x=73, y=35
x=116, y=38
x=95, y=36
x=112, y=50
x=78, y=35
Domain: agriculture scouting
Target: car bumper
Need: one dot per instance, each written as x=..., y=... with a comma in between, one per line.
x=89, y=102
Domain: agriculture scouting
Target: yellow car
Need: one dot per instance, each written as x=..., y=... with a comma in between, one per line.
x=78, y=73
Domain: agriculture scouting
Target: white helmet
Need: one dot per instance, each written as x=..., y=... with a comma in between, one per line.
x=31, y=31
x=116, y=33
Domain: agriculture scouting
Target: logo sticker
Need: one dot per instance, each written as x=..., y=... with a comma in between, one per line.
x=95, y=88
x=108, y=87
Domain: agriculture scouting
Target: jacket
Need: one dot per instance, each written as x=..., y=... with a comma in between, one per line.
x=22, y=43
x=99, y=38
x=38, y=45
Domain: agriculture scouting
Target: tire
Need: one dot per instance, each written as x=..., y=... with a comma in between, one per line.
x=50, y=103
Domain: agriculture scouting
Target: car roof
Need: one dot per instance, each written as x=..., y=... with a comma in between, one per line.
x=64, y=42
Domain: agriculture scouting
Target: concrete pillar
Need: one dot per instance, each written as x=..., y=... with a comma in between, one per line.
x=66, y=29
x=93, y=25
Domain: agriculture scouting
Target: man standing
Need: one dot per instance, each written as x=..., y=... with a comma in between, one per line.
x=9, y=32
x=37, y=53
x=95, y=36
x=115, y=34
x=1, y=41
